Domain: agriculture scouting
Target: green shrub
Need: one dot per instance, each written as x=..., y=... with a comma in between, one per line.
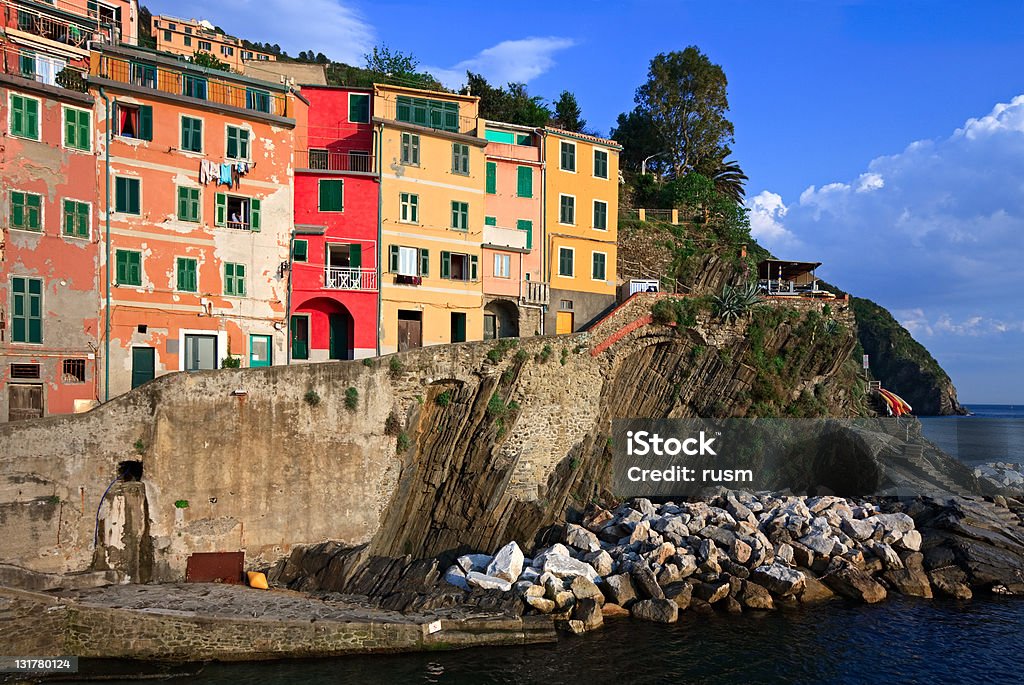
x=352, y=399
x=545, y=352
x=140, y=446
x=521, y=355
x=736, y=301
x=395, y=366
x=496, y=406
x=230, y=362
x=392, y=424
x=181, y=504
x=369, y=362
x=444, y=399
x=312, y=398
x=681, y=312
x=565, y=355
x=403, y=443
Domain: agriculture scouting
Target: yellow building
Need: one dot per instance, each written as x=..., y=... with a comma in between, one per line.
x=186, y=37
x=581, y=206
x=431, y=158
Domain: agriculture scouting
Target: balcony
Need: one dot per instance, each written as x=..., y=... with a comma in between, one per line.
x=322, y=159
x=524, y=153
x=196, y=83
x=349, y=278
x=511, y=238
x=534, y=293
x=51, y=71
x=441, y=115
x=57, y=24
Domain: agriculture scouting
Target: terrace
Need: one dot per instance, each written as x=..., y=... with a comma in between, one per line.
x=53, y=22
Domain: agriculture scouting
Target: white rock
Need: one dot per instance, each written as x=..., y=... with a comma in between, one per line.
x=911, y=541
x=486, y=582
x=888, y=555
x=456, y=576
x=557, y=549
x=529, y=573
x=507, y=563
x=473, y=562
x=581, y=538
x=858, y=529
x=567, y=567
x=778, y=579
x=893, y=523
x=601, y=561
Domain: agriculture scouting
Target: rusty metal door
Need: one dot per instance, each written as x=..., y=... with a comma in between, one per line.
x=410, y=334
x=24, y=401
x=215, y=567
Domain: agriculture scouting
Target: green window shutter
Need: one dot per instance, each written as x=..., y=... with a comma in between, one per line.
x=18, y=114
x=229, y=278
x=490, y=221
x=332, y=195
x=474, y=267
x=355, y=256
x=240, y=280
x=232, y=147
x=182, y=204
x=414, y=204
x=69, y=217
x=17, y=209
x=35, y=310
x=32, y=119
x=134, y=196
x=424, y=262
x=525, y=225
x=455, y=215
x=146, y=122
x=446, y=264
x=300, y=251
x=254, y=215
x=600, y=215
x=121, y=262
x=135, y=268
x=126, y=192
x=221, y=214
x=19, y=321
x=34, y=212
x=393, y=258
x=525, y=182
x=83, y=220
x=243, y=144
x=187, y=276
x=492, y=178
x=70, y=127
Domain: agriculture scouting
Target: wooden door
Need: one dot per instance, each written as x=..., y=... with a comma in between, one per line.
x=563, y=323
x=410, y=334
x=24, y=401
x=143, y=365
x=338, y=344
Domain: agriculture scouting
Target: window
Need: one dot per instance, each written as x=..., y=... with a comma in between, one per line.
x=300, y=251
x=77, y=129
x=600, y=164
x=410, y=149
x=526, y=225
x=76, y=219
x=188, y=205
x=460, y=216
x=502, y=265
x=567, y=209
x=227, y=50
x=25, y=371
x=26, y=211
x=73, y=371
x=565, y=305
x=194, y=86
x=359, y=108
x=257, y=100
x=234, y=279
x=172, y=26
x=24, y=117
x=565, y=261
x=332, y=195
x=238, y=143
x=246, y=54
x=205, y=45
x=460, y=159
x=408, y=261
x=133, y=121
x=490, y=221
x=300, y=336
x=409, y=208
x=129, y=267
x=127, y=195
x=27, y=310
x=188, y=41
x=238, y=212
x=167, y=36
x=433, y=113
x=492, y=178
x=191, y=134
x=601, y=215
x=524, y=181
x=187, y=280
x=319, y=158
x=599, y=266
x=458, y=267
x=567, y=158
x=143, y=75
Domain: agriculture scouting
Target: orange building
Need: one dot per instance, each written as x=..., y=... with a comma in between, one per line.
x=186, y=37
x=200, y=214
x=513, y=280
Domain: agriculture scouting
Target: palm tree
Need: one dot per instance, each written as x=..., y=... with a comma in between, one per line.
x=728, y=178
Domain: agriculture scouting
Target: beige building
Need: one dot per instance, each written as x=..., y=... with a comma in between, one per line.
x=185, y=37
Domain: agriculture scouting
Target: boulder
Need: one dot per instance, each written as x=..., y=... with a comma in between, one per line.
x=473, y=562
x=857, y=529
x=754, y=596
x=910, y=579
x=815, y=591
x=732, y=605
x=585, y=589
x=820, y=543
x=657, y=610
x=541, y=604
x=668, y=574
x=588, y=611
x=893, y=523
x=597, y=520
x=609, y=610
x=802, y=555
x=687, y=564
x=888, y=555
x=529, y=573
x=784, y=553
x=564, y=600
x=911, y=541
x=534, y=591
x=949, y=582
x=456, y=576
x=581, y=538
x=619, y=590
x=660, y=553
x=740, y=551
x=567, y=567
x=680, y=593
x=644, y=506
x=601, y=561
x=852, y=582
x=558, y=549
x=552, y=585
x=645, y=583
x=711, y=592
x=778, y=579
x=486, y=582
x=507, y=563
x=672, y=528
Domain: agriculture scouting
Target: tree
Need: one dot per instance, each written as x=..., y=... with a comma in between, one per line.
x=513, y=105
x=146, y=37
x=568, y=114
x=398, y=67
x=685, y=99
x=640, y=139
x=727, y=177
x=205, y=59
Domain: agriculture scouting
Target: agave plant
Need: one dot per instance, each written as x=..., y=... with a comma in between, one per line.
x=735, y=301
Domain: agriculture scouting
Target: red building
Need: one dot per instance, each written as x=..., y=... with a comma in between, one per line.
x=334, y=285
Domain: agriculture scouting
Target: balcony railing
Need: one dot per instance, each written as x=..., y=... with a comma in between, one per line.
x=40, y=22
x=439, y=114
x=329, y=160
x=534, y=293
x=182, y=81
x=526, y=153
x=42, y=68
x=349, y=278
x=505, y=237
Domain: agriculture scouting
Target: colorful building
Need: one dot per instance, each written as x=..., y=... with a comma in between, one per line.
x=48, y=248
x=186, y=37
x=431, y=158
x=515, y=290
x=334, y=256
x=581, y=192
x=200, y=214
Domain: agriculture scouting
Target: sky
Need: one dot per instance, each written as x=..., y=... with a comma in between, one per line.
x=884, y=138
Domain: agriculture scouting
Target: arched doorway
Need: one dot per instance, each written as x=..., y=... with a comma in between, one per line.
x=325, y=327
x=501, y=320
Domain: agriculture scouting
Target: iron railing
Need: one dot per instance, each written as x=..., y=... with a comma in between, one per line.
x=37, y=19
x=32, y=65
x=439, y=114
x=322, y=159
x=349, y=278
x=203, y=86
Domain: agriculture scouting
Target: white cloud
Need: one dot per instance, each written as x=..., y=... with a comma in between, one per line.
x=870, y=181
x=510, y=61
x=919, y=324
x=767, y=211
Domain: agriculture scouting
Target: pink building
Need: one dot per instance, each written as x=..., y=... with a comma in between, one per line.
x=514, y=291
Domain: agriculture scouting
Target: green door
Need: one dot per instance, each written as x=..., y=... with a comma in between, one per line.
x=143, y=365
x=261, y=351
x=339, y=336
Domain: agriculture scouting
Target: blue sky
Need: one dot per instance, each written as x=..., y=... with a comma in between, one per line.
x=881, y=138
